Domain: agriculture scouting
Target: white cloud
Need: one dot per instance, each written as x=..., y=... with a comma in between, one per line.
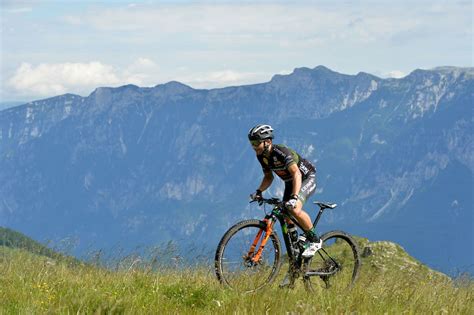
x=83, y=78
x=73, y=20
x=143, y=64
x=285, y=72
x=396, y=74
x=223, y=78
x=208, y=44
x=228, y=76
x=284, y=24
x=245, y=22
x=19, y=10
x=52, y=79
x=18, y=7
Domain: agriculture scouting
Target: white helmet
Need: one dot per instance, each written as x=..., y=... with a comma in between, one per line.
x=261, y=132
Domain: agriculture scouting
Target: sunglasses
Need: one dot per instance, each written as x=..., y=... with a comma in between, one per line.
x=255, y=143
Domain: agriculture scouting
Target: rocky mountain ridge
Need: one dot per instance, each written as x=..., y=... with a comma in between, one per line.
x=135, y=165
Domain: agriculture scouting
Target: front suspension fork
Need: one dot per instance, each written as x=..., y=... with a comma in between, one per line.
x=268, y=231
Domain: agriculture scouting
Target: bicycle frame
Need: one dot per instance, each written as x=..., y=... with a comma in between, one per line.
x=279, y=214
x=261, y=255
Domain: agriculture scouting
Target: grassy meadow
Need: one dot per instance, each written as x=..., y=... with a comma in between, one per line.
x=390, y=282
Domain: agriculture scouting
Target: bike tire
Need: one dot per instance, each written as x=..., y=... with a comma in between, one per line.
x=339, y=256
x=234, y=271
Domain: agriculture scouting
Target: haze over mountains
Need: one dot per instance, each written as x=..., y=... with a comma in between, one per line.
x=135, y=166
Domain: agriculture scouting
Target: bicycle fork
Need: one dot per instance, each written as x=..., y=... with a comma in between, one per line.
x=268, y=231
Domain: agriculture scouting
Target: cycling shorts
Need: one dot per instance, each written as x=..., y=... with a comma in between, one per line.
x=308, y=187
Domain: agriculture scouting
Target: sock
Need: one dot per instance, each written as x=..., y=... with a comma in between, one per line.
x=311, y=235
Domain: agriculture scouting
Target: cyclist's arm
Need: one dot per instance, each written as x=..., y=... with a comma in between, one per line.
x=296, y=178
x=266, y=181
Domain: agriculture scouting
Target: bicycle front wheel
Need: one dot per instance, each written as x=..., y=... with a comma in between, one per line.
x=237, y=262
x=336, y=265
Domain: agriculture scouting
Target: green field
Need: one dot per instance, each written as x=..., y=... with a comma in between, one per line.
x=391, y=282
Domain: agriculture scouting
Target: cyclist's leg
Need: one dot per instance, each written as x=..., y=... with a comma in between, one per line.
x=288, y=280
x=308, y=187
x=303, y=218
x=286, y=196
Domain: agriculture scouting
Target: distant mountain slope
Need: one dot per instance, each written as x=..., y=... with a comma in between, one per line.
x=16, y=240
x=5, y=105
x=135, y=166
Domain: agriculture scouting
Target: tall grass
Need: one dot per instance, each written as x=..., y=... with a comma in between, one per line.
x=31, y=284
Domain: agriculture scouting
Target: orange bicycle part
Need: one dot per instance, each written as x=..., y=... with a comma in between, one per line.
x=268, y=232
x=254, y=244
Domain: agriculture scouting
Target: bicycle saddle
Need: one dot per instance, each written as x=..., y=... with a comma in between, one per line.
x=325, y=205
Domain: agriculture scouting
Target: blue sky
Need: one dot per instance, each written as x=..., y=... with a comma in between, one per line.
x=55, y=47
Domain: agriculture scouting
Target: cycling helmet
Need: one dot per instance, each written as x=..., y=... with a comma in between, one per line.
x=261, y=132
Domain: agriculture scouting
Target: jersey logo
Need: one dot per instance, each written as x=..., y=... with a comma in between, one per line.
x=265, y=160
x=304, y=169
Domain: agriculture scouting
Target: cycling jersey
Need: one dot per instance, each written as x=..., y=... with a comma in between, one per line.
x=281, y=158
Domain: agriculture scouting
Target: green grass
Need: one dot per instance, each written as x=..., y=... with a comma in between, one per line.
x=390, y=282
x=14, y=239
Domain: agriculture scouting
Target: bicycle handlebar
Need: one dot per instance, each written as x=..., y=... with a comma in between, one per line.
x=271, y=201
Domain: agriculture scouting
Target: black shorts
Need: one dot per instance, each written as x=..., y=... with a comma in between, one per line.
x=308, y=187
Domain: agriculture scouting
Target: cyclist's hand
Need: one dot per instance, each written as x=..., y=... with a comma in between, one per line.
x=256, y=196
x=291, y=204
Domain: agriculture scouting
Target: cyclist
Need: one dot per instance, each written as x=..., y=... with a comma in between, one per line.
x=298, y=174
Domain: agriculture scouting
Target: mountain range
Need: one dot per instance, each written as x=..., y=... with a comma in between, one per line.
x=131, y=166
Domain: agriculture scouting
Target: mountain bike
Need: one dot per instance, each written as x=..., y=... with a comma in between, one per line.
x=249, y=257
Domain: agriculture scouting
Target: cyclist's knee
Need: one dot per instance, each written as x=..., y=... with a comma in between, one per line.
x=297, y=210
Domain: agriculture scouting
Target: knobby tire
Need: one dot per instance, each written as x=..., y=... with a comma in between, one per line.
x=340, y=256
x=234, y=271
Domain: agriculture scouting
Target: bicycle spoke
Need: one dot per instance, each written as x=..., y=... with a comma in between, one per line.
x=237, y=269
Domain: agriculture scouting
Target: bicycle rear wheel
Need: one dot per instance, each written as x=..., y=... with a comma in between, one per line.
x=336, y=265
x=233, y=264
